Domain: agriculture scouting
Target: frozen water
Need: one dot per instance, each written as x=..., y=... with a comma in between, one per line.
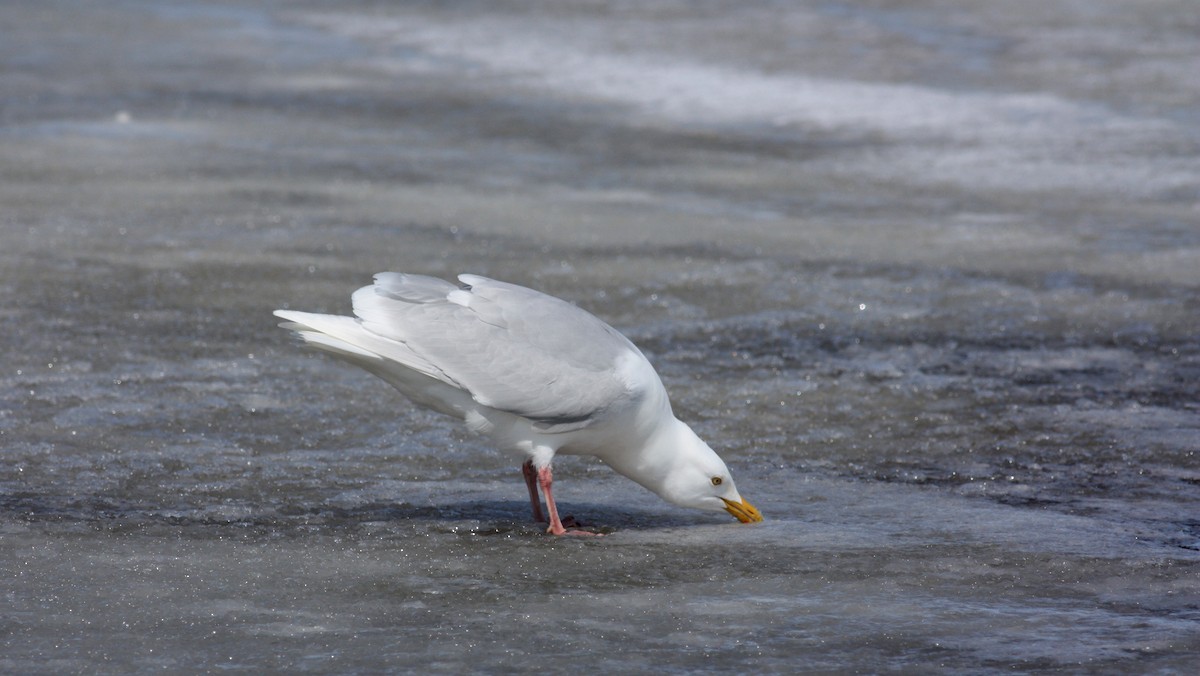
x=925, y=275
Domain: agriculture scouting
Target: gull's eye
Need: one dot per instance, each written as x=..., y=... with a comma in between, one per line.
x=716, y=481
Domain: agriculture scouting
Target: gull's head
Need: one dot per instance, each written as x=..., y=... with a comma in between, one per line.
x=691, y=474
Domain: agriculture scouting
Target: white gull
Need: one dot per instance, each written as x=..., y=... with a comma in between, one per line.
x=535, y=373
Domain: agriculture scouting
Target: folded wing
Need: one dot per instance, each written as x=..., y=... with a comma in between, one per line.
x=508, y=347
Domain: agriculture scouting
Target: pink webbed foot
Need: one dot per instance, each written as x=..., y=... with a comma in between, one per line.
x=546, y=478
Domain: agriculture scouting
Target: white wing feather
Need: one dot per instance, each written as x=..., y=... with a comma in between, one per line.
x=508, y=347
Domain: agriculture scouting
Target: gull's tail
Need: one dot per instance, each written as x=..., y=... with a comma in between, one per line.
x=346, y=338
x=342, y=336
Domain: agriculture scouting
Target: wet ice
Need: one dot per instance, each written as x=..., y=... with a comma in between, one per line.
x=949, y=339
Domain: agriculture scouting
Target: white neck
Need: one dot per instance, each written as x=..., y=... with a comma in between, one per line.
x=651, y=464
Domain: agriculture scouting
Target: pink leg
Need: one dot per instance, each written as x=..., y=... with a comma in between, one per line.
x=531, y=477
x=546, y=477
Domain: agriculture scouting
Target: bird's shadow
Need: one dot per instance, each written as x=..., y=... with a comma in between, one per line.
x=473, y=517
x=500, y=517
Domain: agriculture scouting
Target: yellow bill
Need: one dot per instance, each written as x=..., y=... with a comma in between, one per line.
x=743, y=511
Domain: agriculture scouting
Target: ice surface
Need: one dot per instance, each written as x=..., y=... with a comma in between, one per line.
x=925, y=275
